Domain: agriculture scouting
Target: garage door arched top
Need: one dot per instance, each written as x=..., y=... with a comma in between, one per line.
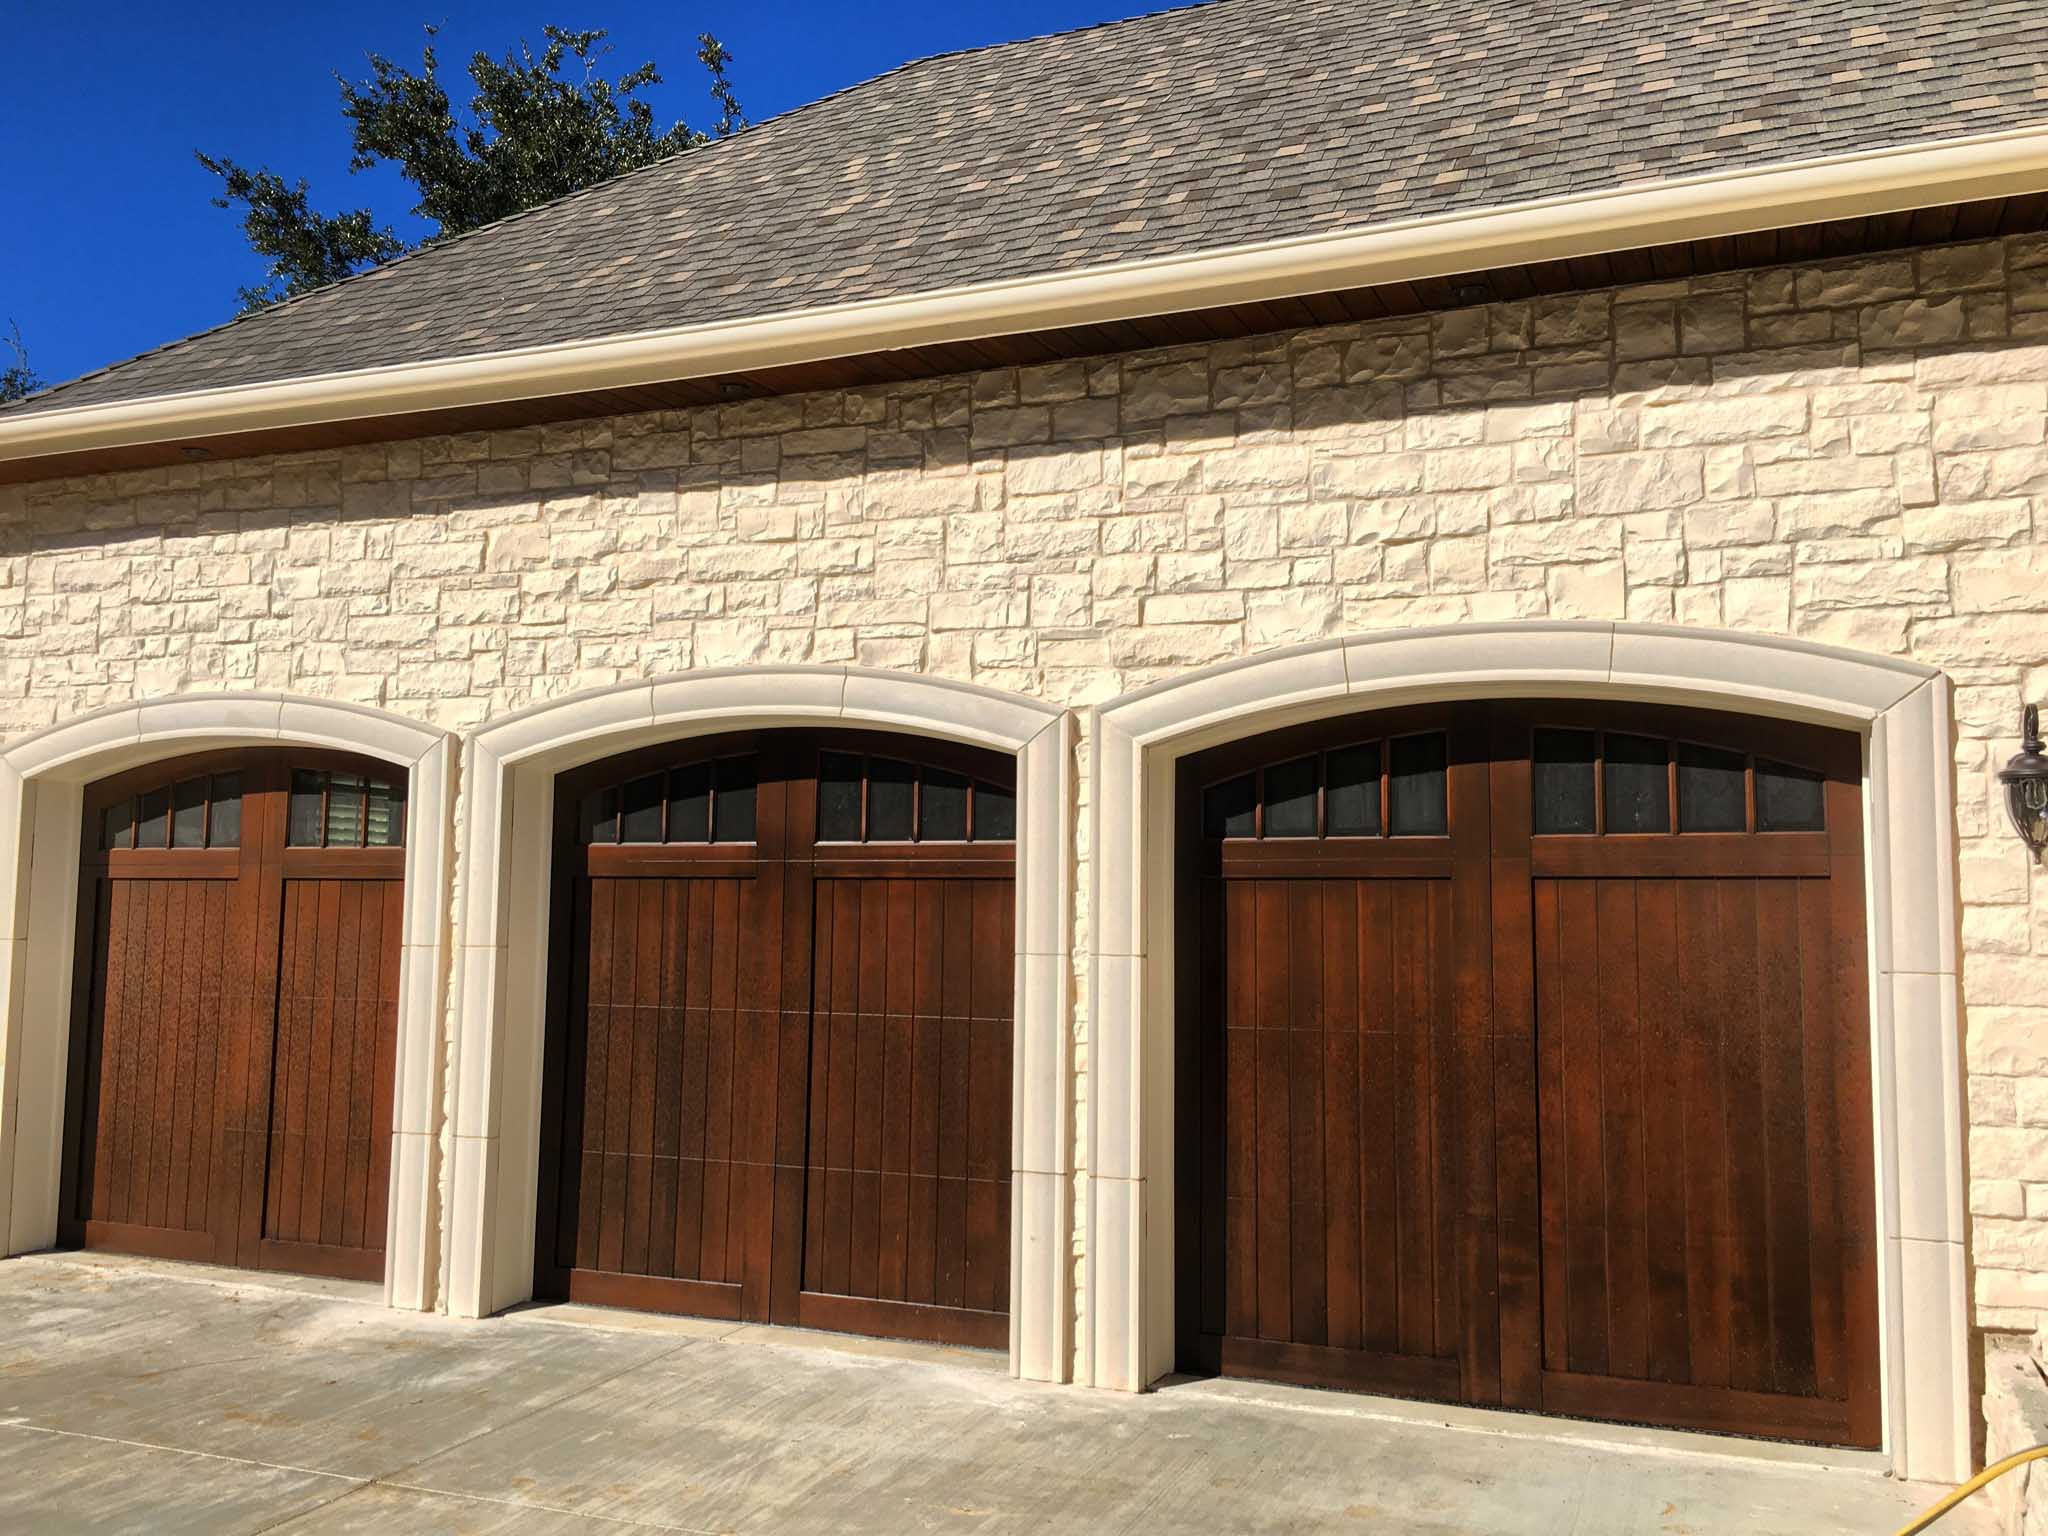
x=602, y=721
x=1767, y=674
x=90, y=746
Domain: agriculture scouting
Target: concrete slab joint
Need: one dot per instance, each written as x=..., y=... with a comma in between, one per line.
x=1902, y=709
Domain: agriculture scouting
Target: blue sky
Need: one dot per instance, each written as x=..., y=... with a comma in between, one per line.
x=109, y=244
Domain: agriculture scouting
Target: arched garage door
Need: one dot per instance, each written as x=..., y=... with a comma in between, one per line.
x=235, y=1012
x=1524, y=1060
x=778, y=1073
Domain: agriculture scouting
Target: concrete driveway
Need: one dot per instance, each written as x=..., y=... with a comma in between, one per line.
x=160, y=1398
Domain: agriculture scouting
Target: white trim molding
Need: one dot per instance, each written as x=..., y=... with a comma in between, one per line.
x=1903, y=712
x=43, y=778
x=1718, y=203
x=508, y=778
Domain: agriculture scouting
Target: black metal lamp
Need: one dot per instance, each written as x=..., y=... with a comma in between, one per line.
x=2026, y=785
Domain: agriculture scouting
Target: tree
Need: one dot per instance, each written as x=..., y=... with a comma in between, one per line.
x=532, y=135
x=17, y=378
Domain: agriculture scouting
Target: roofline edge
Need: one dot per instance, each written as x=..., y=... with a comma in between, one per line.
x=1725, y=203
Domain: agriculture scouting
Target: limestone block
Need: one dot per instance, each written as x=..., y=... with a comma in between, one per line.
x=1837, y=284
x=1152, y=394
x=1952, y=268
x=1713, y=322
x=2002, y=581
x=2004, y=1198
x=1685, y=423
x=1398, y=356
x=1630, y=482
x=1912, y=323
x=1992, y=416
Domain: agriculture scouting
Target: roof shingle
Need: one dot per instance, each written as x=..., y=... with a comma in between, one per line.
x=1228, y=123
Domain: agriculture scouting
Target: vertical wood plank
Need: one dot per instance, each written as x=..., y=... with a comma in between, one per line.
x=1307, y=1221
x=1241, y=1110
x=1789, y=1218
x=1668, y=1339
x=1749, y=1178
x=1337, y=957
x=1708, y=1288
x=1275, y=1132
x=1618, y=1060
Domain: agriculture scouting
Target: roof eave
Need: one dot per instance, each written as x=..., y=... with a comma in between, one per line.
x=1723, y=204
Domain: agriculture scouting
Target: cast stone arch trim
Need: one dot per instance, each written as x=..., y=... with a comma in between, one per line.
x=508, y=778
x=1902, y=710
x=42, y=788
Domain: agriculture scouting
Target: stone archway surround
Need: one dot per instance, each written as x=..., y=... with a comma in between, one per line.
x=1903, y=712
x=509, y=768
x=42, y=790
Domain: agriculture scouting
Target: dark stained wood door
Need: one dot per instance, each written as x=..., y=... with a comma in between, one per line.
x=1338, y=987
x=778, y=1081
x=1707, y=1205
x=1523, y=1060
x=235, y=1012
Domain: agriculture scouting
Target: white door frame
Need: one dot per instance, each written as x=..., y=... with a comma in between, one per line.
x=1901, y=709
x=509, y=769
x=43, y=778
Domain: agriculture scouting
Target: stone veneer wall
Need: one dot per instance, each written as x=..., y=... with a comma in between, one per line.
x=1852, y=452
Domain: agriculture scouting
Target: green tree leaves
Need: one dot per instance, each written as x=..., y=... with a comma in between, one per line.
x=17, y=378
x=538, y=126
x=306, y=250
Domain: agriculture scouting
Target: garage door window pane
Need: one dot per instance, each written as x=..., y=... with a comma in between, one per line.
x=117, y=825
x=345, y=811
x=600, y=816
x=155, y=820
x=1788, y=799
x=1712, y=796
x=188, y=814
x=689, y=804
x=995, y=814
x=1227, y=807
x=224, y=826
x=1561, y=782
x=942, y=808
x=1638, y=784
x=889, y=800
x=838, y=798
x=733, y=805
x=302, y=822
x=1291, y=799
x=640, y=810
x=1417, y=803
x=1351, y=802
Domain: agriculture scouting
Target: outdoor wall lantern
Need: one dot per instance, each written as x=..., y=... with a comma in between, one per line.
x=2026, y=785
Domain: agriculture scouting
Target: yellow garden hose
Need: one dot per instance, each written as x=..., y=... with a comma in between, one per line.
x=1983, y=1479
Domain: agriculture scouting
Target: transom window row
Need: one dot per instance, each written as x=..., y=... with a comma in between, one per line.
x=710, y=802
x=1590, y=783
x=328, y=809
x=1396, y=787
x=863, y=799
x=204, y=811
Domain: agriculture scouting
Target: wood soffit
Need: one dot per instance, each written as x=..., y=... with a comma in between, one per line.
x=1835, y=239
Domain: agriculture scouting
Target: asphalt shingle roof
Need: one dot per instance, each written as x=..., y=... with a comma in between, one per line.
x=1221, y=124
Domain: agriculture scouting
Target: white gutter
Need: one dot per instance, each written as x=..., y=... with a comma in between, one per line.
x=1725, y=203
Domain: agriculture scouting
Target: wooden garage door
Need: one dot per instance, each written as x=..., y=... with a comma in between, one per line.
x=235, y=1013
x=1523, y=1059
x=778, y=1079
